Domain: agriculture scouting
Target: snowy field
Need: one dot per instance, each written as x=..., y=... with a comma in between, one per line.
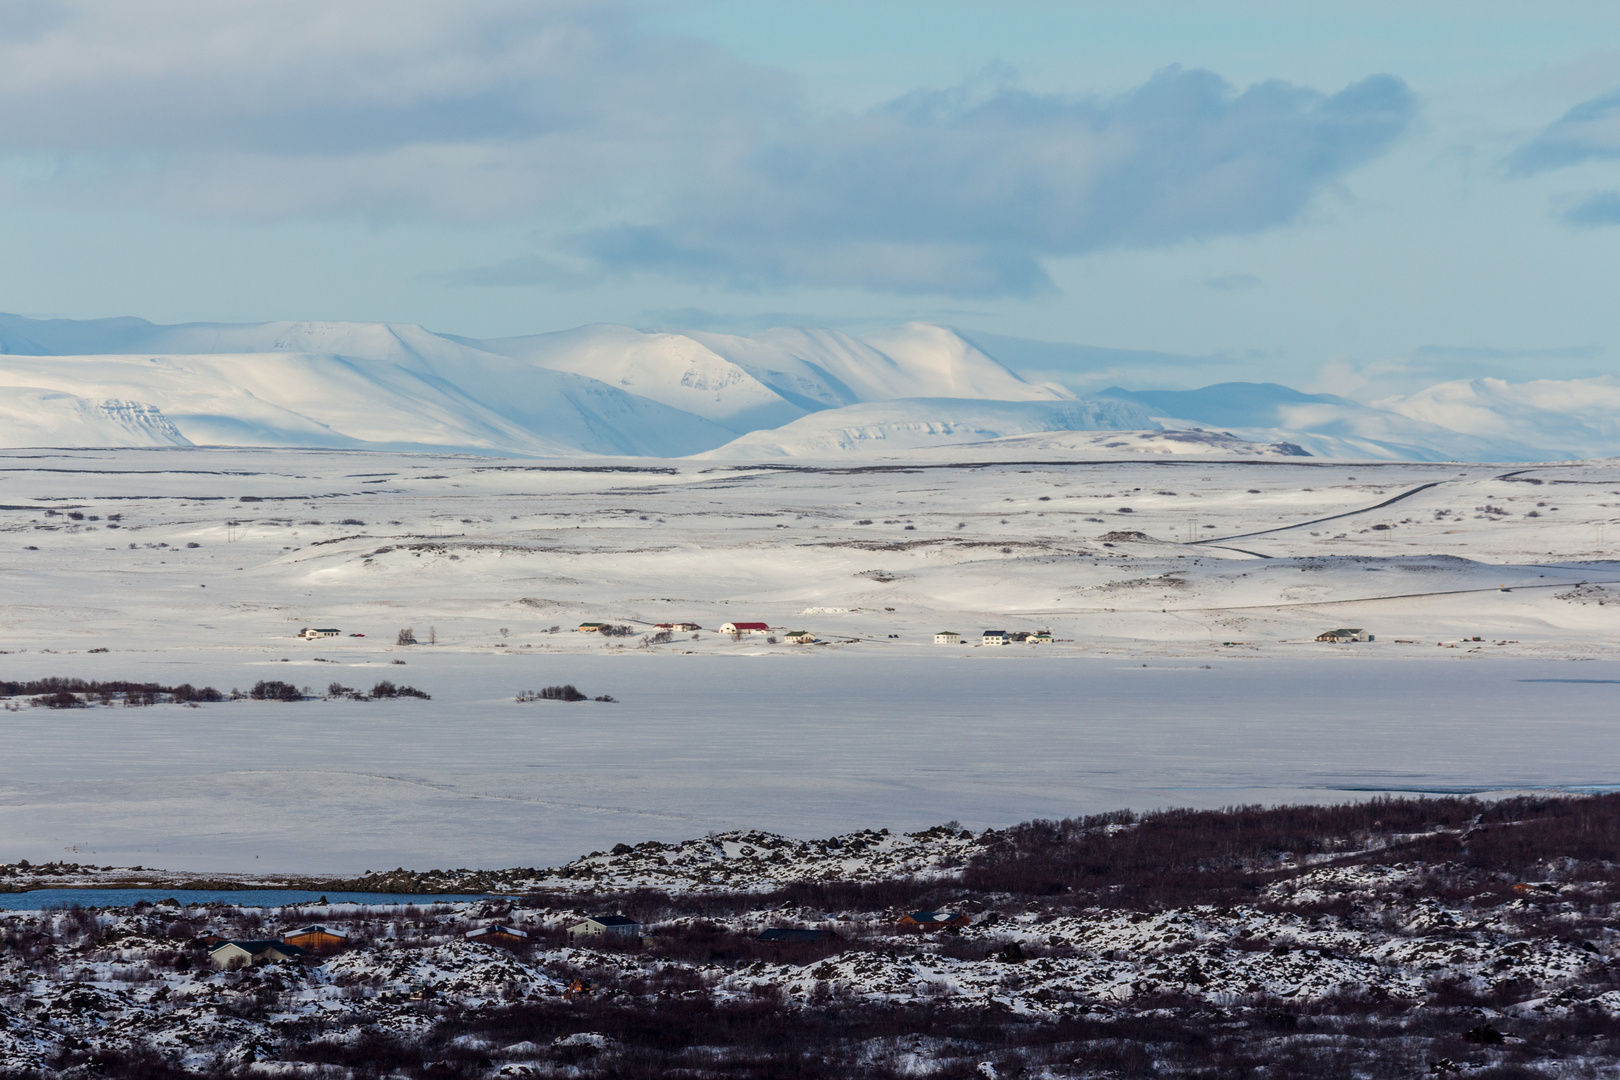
x=1184, y=671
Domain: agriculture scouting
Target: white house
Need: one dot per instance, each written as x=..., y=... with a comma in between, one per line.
x=238, y=954
x=801, y=637
x=994, y=637
x=947, y=637
x=1352, y=634
x=1043, y=637
x=310, y=633
x=745, y=628
x=616, y=927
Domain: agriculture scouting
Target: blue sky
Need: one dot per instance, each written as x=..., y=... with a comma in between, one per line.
x=1360, y=197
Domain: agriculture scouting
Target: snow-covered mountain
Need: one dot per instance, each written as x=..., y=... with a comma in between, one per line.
x=593, y=390
x=877, y=428
x=1327, y=425
x=614, y=390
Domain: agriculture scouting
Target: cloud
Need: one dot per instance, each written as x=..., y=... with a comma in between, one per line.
x=1595, y=210
x=272, y=109
x=1588, y=132
x=524, y=270
x=639, y=151
x=965, y=191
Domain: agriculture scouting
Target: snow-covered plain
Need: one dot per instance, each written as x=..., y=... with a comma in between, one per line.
x=1185, y=595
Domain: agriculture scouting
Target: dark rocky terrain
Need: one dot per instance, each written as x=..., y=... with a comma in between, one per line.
x=1390, y=938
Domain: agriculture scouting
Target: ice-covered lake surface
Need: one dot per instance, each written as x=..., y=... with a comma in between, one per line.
x=806, y=746
x=1184, y=595
x=49, y=899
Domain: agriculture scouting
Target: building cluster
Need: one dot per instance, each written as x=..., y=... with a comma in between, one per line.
x=998, y=637
x=1345, y=635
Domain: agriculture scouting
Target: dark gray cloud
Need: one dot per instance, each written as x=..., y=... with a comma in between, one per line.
x=964, y=191
x=1588, y=132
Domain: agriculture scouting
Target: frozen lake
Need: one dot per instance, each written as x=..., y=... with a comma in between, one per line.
x=805, y=745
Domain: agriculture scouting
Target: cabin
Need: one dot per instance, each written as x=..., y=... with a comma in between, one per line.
x=947, y=637
x=932, y=920
x=505, y=937
x=310, y=633
x=1044, y=637
x=745, y=628
x=316, y=938
x=1343, y=635
x=993, y=637
x=678, y=627
x=1018, y=637
x=589, y=628
x=240, y=954
x=801, y=637
x=616, y=927
x=789, y=935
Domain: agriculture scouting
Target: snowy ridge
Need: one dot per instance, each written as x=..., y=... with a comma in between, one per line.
x=923, y=424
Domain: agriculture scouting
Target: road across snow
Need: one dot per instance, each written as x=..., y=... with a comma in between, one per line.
x=805, y=746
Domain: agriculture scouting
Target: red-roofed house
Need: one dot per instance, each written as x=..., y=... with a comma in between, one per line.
x=745, y=628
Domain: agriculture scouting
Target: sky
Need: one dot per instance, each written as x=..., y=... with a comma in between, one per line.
x=1360, y=198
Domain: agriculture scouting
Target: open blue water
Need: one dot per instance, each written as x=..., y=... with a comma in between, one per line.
x=39, y=899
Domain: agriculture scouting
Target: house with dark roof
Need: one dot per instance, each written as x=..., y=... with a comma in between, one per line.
x=239, y=954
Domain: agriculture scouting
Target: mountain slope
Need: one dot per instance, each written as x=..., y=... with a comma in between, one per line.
x=876, y=428
x=494, y=405
x=1324, y=424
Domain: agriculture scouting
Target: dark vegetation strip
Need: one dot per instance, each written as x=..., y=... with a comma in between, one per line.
x=59, y=693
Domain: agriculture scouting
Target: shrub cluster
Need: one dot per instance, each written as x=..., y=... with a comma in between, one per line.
x=58, y=693
x=568, y=692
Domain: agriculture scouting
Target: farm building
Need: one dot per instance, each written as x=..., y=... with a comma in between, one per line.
x=1356, y=634
x=994, y=637
x=801, y=637
x=504, y=936
x=678, y=627
x=787, y=935
x=589, y=628
x=606, y=926
x=309, y=633
x=1043, y=637
x=947, y=637
x=745, y=628
x=933, y=920
x=316, y=938
x=239, y=954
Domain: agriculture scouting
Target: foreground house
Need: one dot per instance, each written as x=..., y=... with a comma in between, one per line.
x=505, y=937
x=933, y=920
x=801, y=637
x=678, y=627
x=745, y=628
x=240, y=954
x=614, y=927
x=310, y=633
x=947, y=637
x=994, y=637
x=316, y=938
x=1043, y=637
x=1355, y=634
